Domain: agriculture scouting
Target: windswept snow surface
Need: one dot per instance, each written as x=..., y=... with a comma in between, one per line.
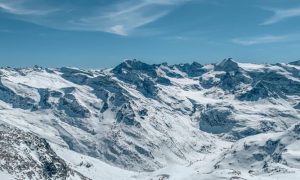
x=138, y=121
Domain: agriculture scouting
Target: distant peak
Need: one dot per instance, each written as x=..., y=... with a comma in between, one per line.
x=131, y=61
x=194, y=64
x=194, y=69
x=227, y=65
x=134, y=66
x=226, y=61
x=296, y=63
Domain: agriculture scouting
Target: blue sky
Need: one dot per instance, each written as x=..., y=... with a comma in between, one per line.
x=101, y=33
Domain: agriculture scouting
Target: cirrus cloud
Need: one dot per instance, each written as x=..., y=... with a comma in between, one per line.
x=281, y=14
x=116, y=16
x=261, y=40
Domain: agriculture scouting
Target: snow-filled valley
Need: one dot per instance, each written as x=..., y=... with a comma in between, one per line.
x=138, y=121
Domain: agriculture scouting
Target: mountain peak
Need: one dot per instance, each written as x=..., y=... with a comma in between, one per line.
x=194, y=69
x=296, y=63
x=133, y=65
x=227, y=65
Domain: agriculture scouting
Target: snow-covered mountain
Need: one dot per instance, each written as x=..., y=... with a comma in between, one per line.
x=138, y=121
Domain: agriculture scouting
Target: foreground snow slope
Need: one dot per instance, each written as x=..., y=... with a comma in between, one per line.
x=141, y=121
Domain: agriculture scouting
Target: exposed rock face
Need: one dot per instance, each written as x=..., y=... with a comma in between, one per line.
x=108, y=90
x=28, y=156
x=227, y=65
x=232, y=81
x=297, y=106
x=44, y=97
x=216, y=120
x=17, y=101
x=193, y=70
x=72, y=108
x=264, y=153
x=138, y=74
x=261, y=90
x=126, y=115
x=142, y=117
x=296, y=63
x=282, y=84
x=131, y=68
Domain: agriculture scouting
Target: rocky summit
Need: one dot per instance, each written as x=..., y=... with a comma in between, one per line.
x=138, y=121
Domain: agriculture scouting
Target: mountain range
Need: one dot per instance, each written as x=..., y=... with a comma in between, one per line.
x=137, y=121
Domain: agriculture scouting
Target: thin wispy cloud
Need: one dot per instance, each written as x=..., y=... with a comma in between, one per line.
x=17, y=9
x=176, y=38
x=261, y=40
x=118, y=17
x=282, y=14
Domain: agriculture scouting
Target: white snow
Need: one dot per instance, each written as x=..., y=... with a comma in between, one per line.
x=170, y=132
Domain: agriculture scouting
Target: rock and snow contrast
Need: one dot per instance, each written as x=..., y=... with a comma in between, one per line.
x=138, y=121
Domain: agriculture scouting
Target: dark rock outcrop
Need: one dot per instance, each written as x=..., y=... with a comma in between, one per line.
x=261, y=90
x=227, y=65
x=296, y=63
x=192, y=70
x=23, y=155
x=17, y=101
x=216, y=120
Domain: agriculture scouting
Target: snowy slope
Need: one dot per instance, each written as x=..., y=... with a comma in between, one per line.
x=141, y=121
x=26, y=156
